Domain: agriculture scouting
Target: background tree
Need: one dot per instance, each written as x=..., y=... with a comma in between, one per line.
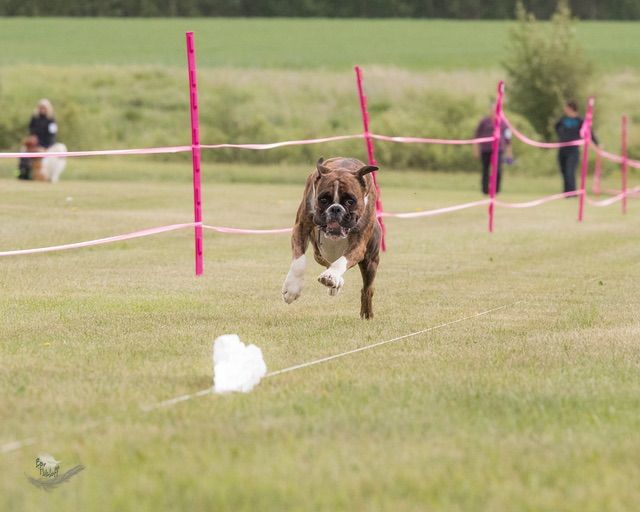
x=545, y=67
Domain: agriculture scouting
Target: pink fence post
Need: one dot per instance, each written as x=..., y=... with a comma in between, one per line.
x=495, y=150
x=195, y=152
x=370, y=154
x=597, y=175
x=624, y=167
x=586, y=137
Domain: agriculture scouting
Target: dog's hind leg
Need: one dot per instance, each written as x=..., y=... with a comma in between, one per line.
x=368, y=269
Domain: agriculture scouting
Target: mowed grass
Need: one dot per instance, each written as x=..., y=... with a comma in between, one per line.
x=290, y=43
x=533, y=407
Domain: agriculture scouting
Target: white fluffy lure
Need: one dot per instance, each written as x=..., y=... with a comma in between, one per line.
x=236, y=366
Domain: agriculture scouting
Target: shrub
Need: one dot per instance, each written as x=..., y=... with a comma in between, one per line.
x=545, y=67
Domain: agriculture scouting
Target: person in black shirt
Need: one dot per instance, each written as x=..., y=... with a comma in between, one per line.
x=568, y=129
x=43, y=124
x=42, y=135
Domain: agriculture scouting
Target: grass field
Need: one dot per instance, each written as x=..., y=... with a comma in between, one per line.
x=533, y=407
x=290, y=43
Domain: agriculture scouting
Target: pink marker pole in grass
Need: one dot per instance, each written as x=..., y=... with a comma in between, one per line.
x=370, y=153
x=586, y=137
x=597, y=175
x=495, y=152
x=195, y=152
x=624, y=165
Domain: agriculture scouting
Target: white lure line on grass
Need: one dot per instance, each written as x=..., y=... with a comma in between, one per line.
x=207, y=391
x=16, y=445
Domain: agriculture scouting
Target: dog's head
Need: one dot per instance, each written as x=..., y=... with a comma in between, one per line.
x=30, y=143
x=341, y=195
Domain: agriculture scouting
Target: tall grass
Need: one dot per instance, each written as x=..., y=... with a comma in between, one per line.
x=124, y=107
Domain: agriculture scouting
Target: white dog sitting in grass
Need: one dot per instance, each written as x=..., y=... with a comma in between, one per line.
x=44, y=167
x=52, y=167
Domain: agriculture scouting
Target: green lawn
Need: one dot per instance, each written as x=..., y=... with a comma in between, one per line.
x=289, y=43
x=534, y=407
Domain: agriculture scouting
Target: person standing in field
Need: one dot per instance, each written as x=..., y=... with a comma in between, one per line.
x=43, y=124
x=568, y=129
x=484, y=150
x=42, y=135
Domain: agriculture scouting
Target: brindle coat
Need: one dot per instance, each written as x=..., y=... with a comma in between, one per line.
x=347, y=181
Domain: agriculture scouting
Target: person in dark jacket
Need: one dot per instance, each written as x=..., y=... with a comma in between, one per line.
x=568, y=129
x=43, y=124
x=42, y=134
x=483, y=150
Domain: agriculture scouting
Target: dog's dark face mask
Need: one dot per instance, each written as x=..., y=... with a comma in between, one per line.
x=340, y=199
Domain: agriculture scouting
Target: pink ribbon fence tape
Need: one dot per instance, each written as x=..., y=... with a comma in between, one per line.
x=438, y=211
x=421, y=140
x=619, y=197
x=240, y=231
x=100, y=241
x=531, y=142
x=274, y=145
x=106, y=152
x=542, y=200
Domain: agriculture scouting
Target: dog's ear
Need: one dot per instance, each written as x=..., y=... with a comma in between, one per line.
x=361, y=173
x=321, y=168
x=364, y=170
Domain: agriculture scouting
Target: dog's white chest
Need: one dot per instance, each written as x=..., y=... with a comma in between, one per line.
x=331, y=250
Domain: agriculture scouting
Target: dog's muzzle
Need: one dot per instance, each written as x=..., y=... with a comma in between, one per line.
x=335, y=217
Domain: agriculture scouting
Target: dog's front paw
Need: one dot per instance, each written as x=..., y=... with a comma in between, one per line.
x=332, y=279
x=335, y=291
x=292, y=288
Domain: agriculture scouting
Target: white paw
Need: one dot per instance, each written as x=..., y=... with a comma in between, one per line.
x=292, y=288
x=332, y=279
x=335, y=291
